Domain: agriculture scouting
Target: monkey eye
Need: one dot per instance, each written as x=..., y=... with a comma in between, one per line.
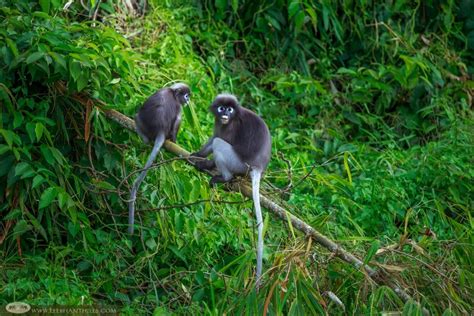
x=231, y=110
x=220, y=109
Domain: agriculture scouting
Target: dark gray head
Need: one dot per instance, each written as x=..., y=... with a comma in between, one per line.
x=181, y=92
x=225, y=108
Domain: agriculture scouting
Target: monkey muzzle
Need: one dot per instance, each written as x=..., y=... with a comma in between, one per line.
x=224, y=119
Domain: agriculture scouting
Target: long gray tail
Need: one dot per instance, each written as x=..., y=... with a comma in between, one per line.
x=160, y=139
x=256, y=175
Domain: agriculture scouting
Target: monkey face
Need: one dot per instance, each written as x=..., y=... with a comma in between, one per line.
x=184, y=96
x=182, y=93
x=225, y=108
x=225, y=113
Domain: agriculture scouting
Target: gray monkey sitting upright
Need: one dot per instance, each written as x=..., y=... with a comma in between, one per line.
x=241, y=144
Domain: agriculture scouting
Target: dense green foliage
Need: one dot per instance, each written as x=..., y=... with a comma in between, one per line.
x=370, y=108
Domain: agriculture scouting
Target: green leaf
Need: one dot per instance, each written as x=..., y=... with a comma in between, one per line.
x=59, y=59
x=314, y=18
x=39, y=130
x=122, y=297
x=178, y=253
x=198, y=295
x=273, y=22
x=47, y=197
x=372, y=251
x=325, y=17
x=151, y=243
x=20, y=228
x=74, y=69
x=17, y=119
x=30, y=129
x=37, y=181
x=63, y=197
x=24, y=170
x=11, y=44
x=34, y=57
x=42, y=15
x=293, y=8
x=200, y=278
x=82, y=81
x=37, y=225
x=104, y=185
x=58, y=156
x=179, y=222
x=10, y=137
x=47, y=154
x=73, y=228
x=6, y=163
x=83, y=265
x=3, y=149
x=299, y=21
x=13, y=214
x=346, y=166
x=221, y=4
x=45, y=4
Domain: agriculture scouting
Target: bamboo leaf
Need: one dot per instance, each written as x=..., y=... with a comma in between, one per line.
x=48, y=197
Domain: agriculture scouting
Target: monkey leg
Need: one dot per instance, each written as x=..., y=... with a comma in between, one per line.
x=227, y=161
x=138, y=124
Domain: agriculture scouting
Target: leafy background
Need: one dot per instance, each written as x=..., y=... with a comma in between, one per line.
x=370, y=108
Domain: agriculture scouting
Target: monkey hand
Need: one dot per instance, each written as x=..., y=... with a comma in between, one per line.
x=194, y=158
x=198, y=154
x=217, y=179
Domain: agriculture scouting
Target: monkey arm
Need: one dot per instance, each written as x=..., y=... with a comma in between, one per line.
x=174, y=131
x=205, y=150
x=204, y=164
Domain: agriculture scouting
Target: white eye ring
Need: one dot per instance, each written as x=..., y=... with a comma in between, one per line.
x=230, y=110
x=220, y=109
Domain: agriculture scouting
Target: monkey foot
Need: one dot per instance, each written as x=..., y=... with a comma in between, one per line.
x=204, y=164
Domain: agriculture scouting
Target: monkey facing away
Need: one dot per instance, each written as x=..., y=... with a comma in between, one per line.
x=241, y=144
x=158, y=119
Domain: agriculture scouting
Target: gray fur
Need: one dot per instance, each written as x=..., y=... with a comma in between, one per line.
x=158, y=119
x=226, y=159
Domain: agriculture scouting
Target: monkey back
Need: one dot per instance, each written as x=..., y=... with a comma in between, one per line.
x=158, y=115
